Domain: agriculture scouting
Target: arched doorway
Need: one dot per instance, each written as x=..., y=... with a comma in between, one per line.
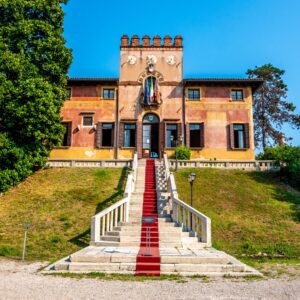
x=150, y=136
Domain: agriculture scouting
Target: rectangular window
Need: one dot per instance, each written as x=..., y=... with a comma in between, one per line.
x=68, y=133
x=237, y=95
x=69, y=93
x=171, y=136
x=108, y=93
x=87, y=121
x=194, y=94
x=107, y=135
x=195, y=135
x=239, y=136
x=129, y=135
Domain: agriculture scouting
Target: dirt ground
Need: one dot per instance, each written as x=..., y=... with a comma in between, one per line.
x=24, y=281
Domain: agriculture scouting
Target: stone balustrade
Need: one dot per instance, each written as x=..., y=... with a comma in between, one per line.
x=107, y=219
x=69, y=163
x=252, y=165
x=189, y=218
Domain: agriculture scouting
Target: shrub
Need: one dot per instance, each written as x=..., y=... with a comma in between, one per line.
x=288, y=158
x=182, y=152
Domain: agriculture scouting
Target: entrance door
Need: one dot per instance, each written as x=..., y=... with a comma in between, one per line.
x=150, y=136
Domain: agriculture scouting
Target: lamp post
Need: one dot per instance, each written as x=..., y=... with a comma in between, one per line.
x=192, y=177
x=26, y=226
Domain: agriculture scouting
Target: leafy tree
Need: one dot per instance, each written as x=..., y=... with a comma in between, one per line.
x=288, y=158
x=33, y=77
x=270, y=108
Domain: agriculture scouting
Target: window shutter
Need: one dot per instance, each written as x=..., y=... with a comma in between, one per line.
x=99, y=135
x=247, y=138
x=162, y=129
x=202, y=135
x=139, y=138
x=187, y=134
x=121, y=135
x=231, y=134
x=179, y=132
x=69, y=133
x=113, y=135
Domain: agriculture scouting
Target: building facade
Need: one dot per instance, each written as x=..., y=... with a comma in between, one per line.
x=151, y=108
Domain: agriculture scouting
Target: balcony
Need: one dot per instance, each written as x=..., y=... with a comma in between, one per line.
x=151, y=103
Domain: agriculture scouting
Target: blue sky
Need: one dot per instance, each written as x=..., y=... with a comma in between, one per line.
x=222, y=38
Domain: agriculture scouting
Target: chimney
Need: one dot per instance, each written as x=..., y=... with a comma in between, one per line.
x=124, y=40
x=146, y=41
x=157, y=41
x=168, y=41
x=135, y=41
x=178, y=41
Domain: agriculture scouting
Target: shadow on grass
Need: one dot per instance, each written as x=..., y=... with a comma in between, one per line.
x=280, y=193
x=82, y=240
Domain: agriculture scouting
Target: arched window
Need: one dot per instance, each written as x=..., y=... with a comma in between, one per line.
x=152, y=94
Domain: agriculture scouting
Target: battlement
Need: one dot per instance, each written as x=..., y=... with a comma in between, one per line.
x=156, y=41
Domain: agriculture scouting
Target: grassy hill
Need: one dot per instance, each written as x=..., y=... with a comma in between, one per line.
x=251, y=212
x=59, y=204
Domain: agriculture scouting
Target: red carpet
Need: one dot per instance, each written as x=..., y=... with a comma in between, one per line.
x=148, y=258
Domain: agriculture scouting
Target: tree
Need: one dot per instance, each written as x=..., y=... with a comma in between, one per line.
x=33, y=77
x=270, y=109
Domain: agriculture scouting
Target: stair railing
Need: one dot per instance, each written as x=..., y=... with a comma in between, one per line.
x=183, y=214
x=107, y=219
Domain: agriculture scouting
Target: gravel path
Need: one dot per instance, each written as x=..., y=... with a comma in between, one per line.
x=21, y=281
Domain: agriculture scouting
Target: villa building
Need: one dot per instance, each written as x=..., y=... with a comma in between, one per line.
x=151, y=108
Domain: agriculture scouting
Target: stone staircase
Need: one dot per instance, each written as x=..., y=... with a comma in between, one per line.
x=180, y=252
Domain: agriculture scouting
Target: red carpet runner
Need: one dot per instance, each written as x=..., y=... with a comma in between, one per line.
x=148, y=258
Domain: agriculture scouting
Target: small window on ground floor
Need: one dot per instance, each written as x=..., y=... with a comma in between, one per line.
x=195, y=135
x=87, y=121
x=171, y=135
x=107, y=135
x=129, y=135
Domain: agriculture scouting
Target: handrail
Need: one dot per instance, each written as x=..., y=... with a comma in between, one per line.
x=188, y=217
x=107, y=219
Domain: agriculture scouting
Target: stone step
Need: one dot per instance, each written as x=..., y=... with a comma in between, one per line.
x=200, y=268
x=165, y=268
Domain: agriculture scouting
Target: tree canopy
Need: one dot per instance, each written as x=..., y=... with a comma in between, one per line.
x=33, y=77
x=271, y=110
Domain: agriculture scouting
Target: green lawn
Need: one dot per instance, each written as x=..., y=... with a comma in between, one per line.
x=251, y=212
x=59, y=204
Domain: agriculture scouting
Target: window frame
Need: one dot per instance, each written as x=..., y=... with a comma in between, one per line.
x=135, y=132
x=200, y=135
x=112, y=134
x=244, y=136
x=166, y=135
x=68, y=134
x=194, y=89
x=69, y=94
x=109, y=89
x=235, y=91
x=87, y=116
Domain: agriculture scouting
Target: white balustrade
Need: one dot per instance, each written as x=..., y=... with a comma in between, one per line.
x=184, y=215
x=107, y=219
x=251, y=165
